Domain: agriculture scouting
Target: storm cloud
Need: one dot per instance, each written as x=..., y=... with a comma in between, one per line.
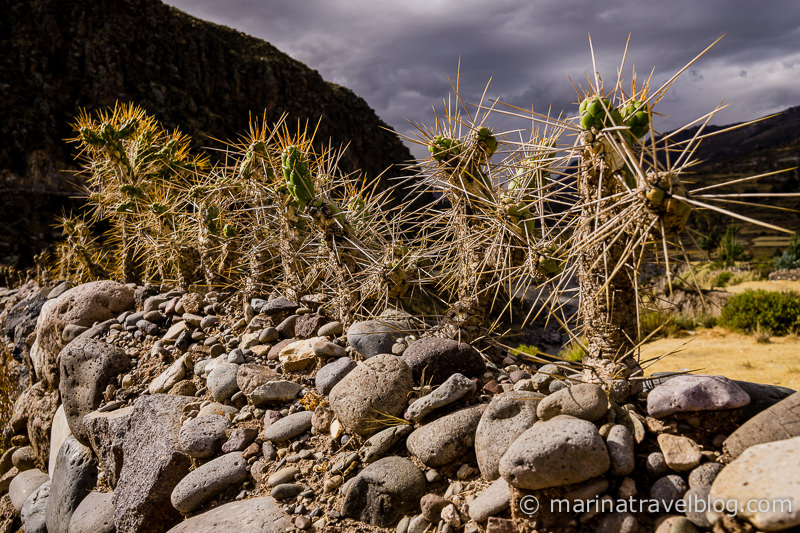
x=400, y=56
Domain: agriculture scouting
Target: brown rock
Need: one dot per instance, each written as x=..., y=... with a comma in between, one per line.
x=680, y=453
x=192, y=302
x=307, y=325
x=249, y=376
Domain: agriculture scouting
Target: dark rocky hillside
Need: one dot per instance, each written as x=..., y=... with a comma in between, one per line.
x=57, y=57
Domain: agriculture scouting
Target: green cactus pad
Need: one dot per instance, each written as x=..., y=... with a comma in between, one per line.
x=297, y=176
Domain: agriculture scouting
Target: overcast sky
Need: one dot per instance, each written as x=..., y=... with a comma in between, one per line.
x=398, y=55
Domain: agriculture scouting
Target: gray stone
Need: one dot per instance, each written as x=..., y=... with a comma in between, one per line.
x=173, y=374
x=617, y=523
x=74, y=477
x=761, y=397
x=268, y=335
x=256, y=515
x=656, y=465
x=34, y=510
x=507, y=417
x=544, y=376
x=779, y=422
x=668, y=489
x=71, y=331
x=561, y=451
x=215, y=408
x=95, y=514
x=202, y=437
x=24, y=458
x=703, y=476
x=493, y=500
x=375, y=337
x=286, y=490
x=24, y=484
x=620, y=450
x=445, y=439
x=695, y=503
x=239, y=439
x=331, y=329
x=284, y=475
x=286, y=327
x=377, y=387
x=765, y=472
x=221, y=381
x=288, y=427
x=695, y=393
x=332, y=373
x=207, y=481
x=274, y=307
x=35, y=410
x=7, y=459
x=87, y=366
x=384, y=491
x=453, y=389
x=274, y=392
x=324, y=349
x=382, y=442
x=437, y=359
x=106, y=436
x=583, y=400
x=152, y=465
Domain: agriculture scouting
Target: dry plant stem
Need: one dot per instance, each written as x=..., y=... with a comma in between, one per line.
x=607, y=307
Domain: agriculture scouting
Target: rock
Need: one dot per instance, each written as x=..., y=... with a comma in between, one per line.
x=286, y=327
x=695, y=503
x=276, y=307
x=284, y=475
x=779, y=422
x=276, y=349
x=21, y=319
x=274, y=392
x=192, y=302
x=184, y=387
x=656, y=465
x=445, y=439
x=87, y=367
x=331, y=329
x=207, y=481
x=375, y=337
x=152, y=465
x=172, y=375
x=269, y=334
x=201, y=437
x=215, y=408
x=256, y=515
x=761, y=396
x=493, y=500
x=221, y=381
x=83, y=305
x=35, y=410
x=73, y=478
x=321, y=421
x=24, y=458
x=34, y=510
x=95, y=514
x=175, y=331
x=249, y=376
x=617, y=522
x=7, y=460
x=675, y=524
x=620, y=450
x=507, y=417
x=680, y=453
x=384, y=491
x=106, y=433
x=289, y=427
x=437, y=359
x=544, y=376
x=239, y=439
x=7, y=478
x=298, y=355
x=561, y=451
x=703, y=476
x=431, y=506
x=382, y=442
x=583, y=400
x=332, y=373
x=324, y=349
x=24, y=484
x=286, y=490
x=453, y=389
x=685, y=393
x=667, y=490
x=377, y=387
x=307, y=325
x=73, y=330
x=767, y=472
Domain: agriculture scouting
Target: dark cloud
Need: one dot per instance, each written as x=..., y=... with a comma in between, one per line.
x=399, y=55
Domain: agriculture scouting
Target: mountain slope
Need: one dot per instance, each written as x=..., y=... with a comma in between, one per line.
x=59, y=56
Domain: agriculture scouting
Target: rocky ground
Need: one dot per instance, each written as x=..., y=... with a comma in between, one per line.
x=146, y=410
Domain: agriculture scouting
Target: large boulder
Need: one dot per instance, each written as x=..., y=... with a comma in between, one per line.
x=779, y=422
x=445, y=439
x=74, y=477
x=374, y=389
x=689, y=393
x=83, y=305
x=384, y=491
x=87, y=367
x=256, y=515
x=106, y=433
x=208, y=480
x=506, y=417
x=433, y=359
x=152, y=465
x=34, y=510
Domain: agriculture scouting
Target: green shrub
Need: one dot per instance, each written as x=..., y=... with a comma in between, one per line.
x=777, y=312
x=730, y=248
x=790, y=258
x=721, y=279
x=573, y=351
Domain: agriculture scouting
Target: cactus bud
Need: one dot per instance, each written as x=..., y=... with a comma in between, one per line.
x=486, y=141
x=593, y=114
x=636, y=116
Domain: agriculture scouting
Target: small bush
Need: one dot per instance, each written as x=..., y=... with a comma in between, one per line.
x=777, y=312
x=721, y=279
x=790, y=258
x=573, y=351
